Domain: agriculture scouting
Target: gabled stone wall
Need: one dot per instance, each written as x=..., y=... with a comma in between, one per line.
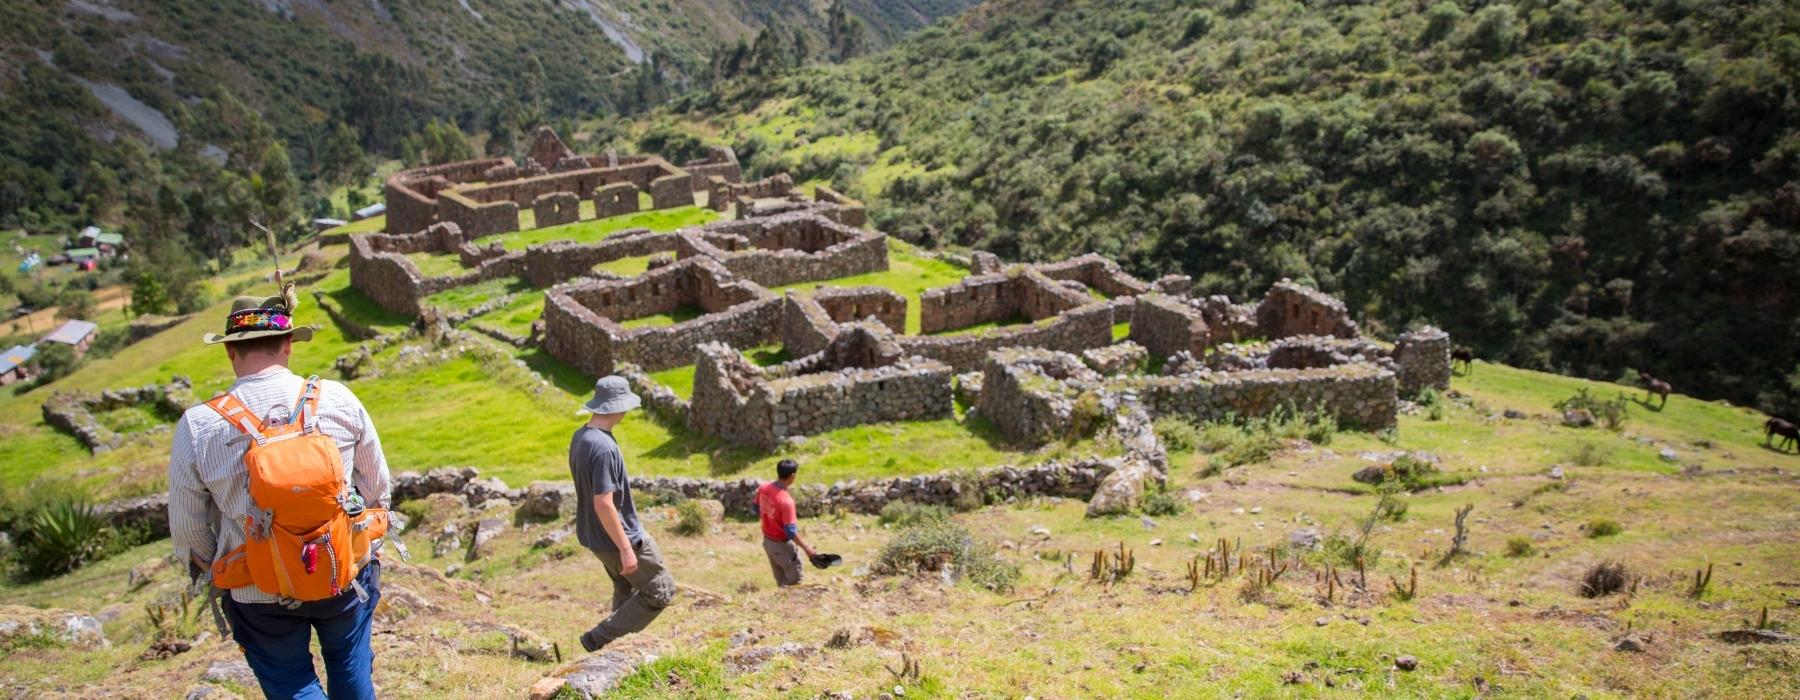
x=475, y=218
x=411, y=195
x=996, y=298
x=1293, y=309
x=1098, y=273
x=849, y=212
x=720, y=162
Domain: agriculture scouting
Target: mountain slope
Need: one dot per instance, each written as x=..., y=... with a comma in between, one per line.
x=1578, y=187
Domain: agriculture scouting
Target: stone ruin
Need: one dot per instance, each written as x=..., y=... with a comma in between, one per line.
x=860, y=377
x=583, y=321
x=74, y=412
x=484, y=196
x=380, y=270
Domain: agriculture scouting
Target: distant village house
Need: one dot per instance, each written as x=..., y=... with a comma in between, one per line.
x=76, y=334
x=12, y=364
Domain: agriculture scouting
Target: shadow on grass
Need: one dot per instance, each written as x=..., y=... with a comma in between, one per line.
x=560, y=374
x=360, y=309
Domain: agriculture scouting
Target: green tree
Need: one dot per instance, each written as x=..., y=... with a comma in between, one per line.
x=74, y=304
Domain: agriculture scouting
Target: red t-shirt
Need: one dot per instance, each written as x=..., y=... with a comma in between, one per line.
x=776, y=507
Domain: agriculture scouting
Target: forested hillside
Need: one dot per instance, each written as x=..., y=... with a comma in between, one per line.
x=335, y=79
x=1577, y=186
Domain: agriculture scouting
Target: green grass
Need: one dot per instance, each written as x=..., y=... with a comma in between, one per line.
x=518, y=315
x=985, y=327
x=680, y=314
x=471, y=296
x=626, y=267
x=592, y=230
x=372, y=224
x=909, y=273
x=436, y=264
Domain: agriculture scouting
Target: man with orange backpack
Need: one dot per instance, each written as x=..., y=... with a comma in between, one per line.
x=277, y=491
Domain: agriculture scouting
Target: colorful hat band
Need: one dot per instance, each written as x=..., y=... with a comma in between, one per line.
x=249, y=320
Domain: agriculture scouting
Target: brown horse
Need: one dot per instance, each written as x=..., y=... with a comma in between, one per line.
x=1655, y=387
x=1462, y=356
x=1790, y=434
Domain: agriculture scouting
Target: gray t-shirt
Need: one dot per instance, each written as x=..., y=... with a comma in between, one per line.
x=597, y=467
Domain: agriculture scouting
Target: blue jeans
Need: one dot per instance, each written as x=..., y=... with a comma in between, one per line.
x=276, y=642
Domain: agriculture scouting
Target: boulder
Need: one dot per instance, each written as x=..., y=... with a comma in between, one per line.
x=590, y=676
x=480, y=491
x=545, y=500
x=753, y=659
x=410, y=485
x=1577, y=418
x=67, y=627
x=234, y=671
x=485, y=532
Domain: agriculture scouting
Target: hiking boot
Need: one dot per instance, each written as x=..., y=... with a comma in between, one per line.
x=591, y=642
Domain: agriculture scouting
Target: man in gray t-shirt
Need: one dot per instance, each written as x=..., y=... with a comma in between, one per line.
x=606, y=521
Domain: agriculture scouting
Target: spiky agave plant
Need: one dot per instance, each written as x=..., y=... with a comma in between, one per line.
x=61, y=536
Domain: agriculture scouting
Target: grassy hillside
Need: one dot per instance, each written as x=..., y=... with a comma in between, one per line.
x=1504, y=620
x=1578, y=187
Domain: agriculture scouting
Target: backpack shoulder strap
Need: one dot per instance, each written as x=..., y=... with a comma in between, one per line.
x=237, y=415
x=308, y=403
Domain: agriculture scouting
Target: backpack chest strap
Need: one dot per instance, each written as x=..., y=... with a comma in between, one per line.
x=238, y=415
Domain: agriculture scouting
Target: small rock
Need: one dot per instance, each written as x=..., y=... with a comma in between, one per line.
x=553, y=537
x=546, y=688
x=1040, y=531
x=1156, y=543
x=1322, y=621
x=1667, y=454
x=1304, y=538
x=143, y=572
x=1513, y=414
x=1147, y=522
x=235, y=671
x=1293, y=677
x=1754, y=636
x=754, y=659
x=1237, y=511
x=1630, y=642
x=1577, y=418
x=1406, y=663
x=1556, y=472
x=1255, y=509
x=1194, y=537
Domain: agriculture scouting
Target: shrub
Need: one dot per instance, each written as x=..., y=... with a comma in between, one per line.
x=1603, y=527
x=1177, y=435
x=1391, y=509
x=690, y=519
x=1163, y=503
x=1519, y=546
x=1433, y=403
x=1610, y=413
x=61, y=536
x=1590, y=454
x=903, y=513
x=928, y=546
x=1604, y=578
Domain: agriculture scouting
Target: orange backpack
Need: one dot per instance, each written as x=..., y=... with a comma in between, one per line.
x=307, y=536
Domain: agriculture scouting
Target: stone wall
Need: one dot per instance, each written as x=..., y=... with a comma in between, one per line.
x=1165, y=326
x=477, y=219
x=1359, y=395
x=1423, y=361
x=556, y=209
x=1073, y=331
x=846, y=304
x=1292, y=309
x=411, y=195
x=859, y=378
x=582, y=320
x=550, y=263
x=1097, y=273
x=671, y=191
x=789, y=249
x=1227, y=322
x=617, y=199
x=996, y=298
x=73, y=412
x=720, y=162
x=850, y=212
x=381, y=272
x=1029, y=394
x=388, y=279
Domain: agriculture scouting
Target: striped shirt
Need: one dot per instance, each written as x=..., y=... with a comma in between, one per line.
x=209, y=493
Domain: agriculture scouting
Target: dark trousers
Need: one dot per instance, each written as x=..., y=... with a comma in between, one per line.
x=638, y=597
x=276, y=642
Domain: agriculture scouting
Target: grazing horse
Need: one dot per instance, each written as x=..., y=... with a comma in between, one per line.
x=1462, y=356
x=1790, y=433
x=1655, y=387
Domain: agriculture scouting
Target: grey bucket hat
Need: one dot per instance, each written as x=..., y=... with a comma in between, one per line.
x=611, y=395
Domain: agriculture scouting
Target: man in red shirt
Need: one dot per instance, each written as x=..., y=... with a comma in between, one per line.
x=780, y=525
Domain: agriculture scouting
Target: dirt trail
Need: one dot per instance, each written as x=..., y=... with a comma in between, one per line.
x=110, y=298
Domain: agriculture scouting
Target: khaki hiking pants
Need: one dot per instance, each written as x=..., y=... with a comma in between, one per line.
x=638, y=597
x=784, y=560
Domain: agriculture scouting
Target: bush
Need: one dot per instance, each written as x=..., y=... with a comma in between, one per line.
x=53, y=361
x=1604, y=578
x=690, y=519
x=1520, y=546
x=1590, y=454
x=904, y=514
x=1177, y=435
x=1163, y=503
x=928, y=546
x=1603, y=527
x=1433, y=403
x=1610, y=413
x=61, y=536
